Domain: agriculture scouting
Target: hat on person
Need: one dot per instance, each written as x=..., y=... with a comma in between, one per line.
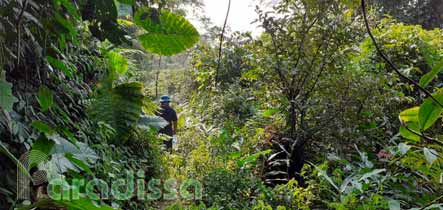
x=165, y=98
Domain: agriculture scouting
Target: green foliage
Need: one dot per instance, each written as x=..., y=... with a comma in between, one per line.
x=7, y=99
x=121, y=108
x=61, y=66
x=228, y=189
x=291, y=196
x=428, y=77
x=117, y=63
x=167, y=33
x=45, y=98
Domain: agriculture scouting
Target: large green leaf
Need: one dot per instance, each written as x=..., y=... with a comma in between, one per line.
x=7, y=100
x=65, y=155
x=167, y=33
x=430, y=111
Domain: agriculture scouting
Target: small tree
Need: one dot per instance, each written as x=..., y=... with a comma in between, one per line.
x=303, y=42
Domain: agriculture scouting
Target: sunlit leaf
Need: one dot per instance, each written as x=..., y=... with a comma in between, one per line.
x=373, y=173
x=118, y=64
x=269, y=112
x=410, y=115
x=167, y=33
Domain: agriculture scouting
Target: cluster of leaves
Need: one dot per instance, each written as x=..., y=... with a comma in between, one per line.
x=54, y=56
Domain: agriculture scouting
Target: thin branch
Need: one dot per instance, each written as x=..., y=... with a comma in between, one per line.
x=311, y=64
x=389, y=62
x=322, y=69
x=302, y=41
x=427, y=138
x=432, y=202
x=222, y=35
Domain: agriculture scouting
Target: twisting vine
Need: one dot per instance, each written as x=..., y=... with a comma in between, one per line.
x=389, y=62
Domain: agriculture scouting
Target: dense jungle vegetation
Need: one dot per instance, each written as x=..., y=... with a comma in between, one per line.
x=337, y=104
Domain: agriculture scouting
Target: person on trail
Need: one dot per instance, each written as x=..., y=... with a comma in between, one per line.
x=169, y=114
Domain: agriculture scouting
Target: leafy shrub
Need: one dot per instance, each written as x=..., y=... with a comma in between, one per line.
x=228, y=189
x=291, y=196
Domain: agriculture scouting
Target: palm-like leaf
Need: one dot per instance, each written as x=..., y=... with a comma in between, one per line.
x=120, y=107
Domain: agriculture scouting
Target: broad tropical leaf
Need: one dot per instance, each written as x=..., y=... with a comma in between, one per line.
x=167, y=33
x=65, y=155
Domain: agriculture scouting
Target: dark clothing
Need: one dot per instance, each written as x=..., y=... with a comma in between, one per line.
x=169, y=114
x=168, y=144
